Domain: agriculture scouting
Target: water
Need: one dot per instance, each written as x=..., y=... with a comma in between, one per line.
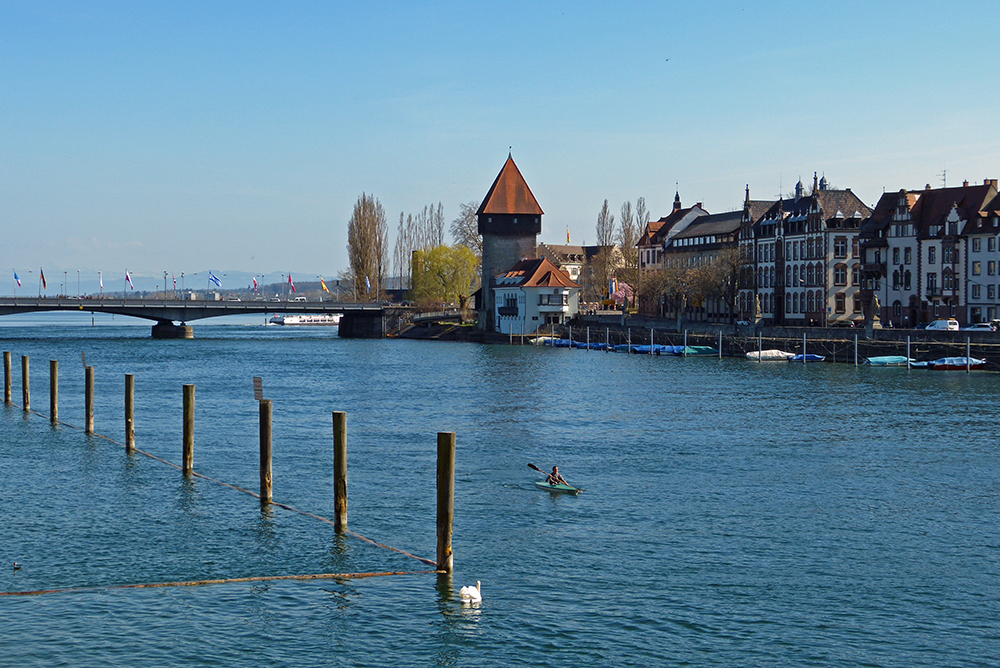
x=734, y=513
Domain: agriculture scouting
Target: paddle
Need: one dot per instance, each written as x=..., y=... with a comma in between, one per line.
x=530, y=465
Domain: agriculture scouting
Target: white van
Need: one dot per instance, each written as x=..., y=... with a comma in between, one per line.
x=300, y=298
x=948, y=324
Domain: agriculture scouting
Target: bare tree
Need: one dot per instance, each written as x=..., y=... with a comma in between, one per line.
x=367, y=246
x=628, y=240
x=730, y=263
x=641, y=215
x=605, y=226
x=465, y=228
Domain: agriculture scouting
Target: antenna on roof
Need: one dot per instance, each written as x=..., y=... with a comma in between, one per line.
x=944, y=178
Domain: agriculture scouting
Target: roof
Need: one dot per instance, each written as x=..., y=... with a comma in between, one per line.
x=715, y=224
x=667, y=223
x=562, y=254
x=536, y=273
x=510, y=194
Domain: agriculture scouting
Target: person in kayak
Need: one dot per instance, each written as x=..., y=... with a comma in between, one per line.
x=554, y=478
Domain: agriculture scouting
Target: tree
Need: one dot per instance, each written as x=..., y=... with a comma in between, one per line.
x=628, y=240
x=605, y=226
x=367, y=247
x=465, y=228
x=446, y=274
x=731, y=262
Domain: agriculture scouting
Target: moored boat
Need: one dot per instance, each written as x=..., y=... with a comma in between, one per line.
x=769, y=355
x=809, y=357
x=956, y=364
x=888, y=360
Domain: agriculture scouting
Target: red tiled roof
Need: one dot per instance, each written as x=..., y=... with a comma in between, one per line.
x=510, y=194
x=537, y=273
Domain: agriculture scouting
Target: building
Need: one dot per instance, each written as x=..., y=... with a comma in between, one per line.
x=510, y=220
x=805, y=258
x=531, y=294
x=933, y=253
x=653, y=241
x=586, y=266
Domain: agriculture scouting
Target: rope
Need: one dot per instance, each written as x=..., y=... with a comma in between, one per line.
x=245, y=491
x=198, y=583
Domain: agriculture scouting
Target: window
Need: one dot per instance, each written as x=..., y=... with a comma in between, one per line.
x=977, y=268
x=948, y=255
x=907, y=256
x=991, y=244
x=854, y=247
x=856, y=300
x=811, y=248
x=788, y=250
x=841, y=303
x=809, y=275
x=931, y=255
x=840, y=247
x=895, y=280
x=907, y=280
x=931, y=281
x=977, y=245
x=788, y=303
x=975, y=291
x=856, y=275
x=897, y=308
x=840, y=274
x=788, y=275
x=895, y=256
x=811, y=302
x=947, y=280
x=991, y=291
x=991, y=267
x=795, y=303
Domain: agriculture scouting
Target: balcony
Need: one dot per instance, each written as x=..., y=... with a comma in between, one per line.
x=873, y=268
x=934, y=291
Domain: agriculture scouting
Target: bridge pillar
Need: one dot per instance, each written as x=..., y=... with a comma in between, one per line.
x=168, y=330
x=362, y=326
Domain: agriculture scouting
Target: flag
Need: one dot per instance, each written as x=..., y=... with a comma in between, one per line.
x=100, y=275
x=44, y=284
x=128, y=279
x=255, y=284
x=322, y=284
x=567, y=235
x=612, y=286
x=290, y=282
x=175, y=280
x=215, y=279
x=368, y=285
x=17, y=279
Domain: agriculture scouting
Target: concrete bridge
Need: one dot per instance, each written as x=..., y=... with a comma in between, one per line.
x=357, y=320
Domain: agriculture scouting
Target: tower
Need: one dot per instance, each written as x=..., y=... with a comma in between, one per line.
x=509, y=220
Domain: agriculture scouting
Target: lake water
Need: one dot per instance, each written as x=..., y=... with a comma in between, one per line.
x=734, y=514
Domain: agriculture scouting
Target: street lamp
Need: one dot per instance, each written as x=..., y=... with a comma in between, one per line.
x=78, y=293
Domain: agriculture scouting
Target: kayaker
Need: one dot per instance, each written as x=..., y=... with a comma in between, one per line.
x=554, y=478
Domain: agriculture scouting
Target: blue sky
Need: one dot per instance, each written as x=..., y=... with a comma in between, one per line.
x=236, y=136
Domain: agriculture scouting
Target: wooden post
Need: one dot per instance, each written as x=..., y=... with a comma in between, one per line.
x=129, y=412
x=54, y=391
x=855, y=350
x=89, y=400
x=188, y=456
x=760, y=342
x=803, y=347
x=720, y=344
x=629, y=341
x=650, y=341
x=445, y=499
x=266, y=413
x=907, y=351
x=968, y=360
x=685, y=343
x=588, y=337
x=25, y=384
x=8, y=384
x=340, y=471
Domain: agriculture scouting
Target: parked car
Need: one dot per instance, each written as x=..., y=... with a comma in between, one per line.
x=948, y=324
x=980, y=327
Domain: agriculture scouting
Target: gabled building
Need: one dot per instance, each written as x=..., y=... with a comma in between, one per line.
x=933, y=253
x=807, y=265
x=531, y=294
x=656, y=237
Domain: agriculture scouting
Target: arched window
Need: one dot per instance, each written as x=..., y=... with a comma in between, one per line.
x=795, y=303
x=788, y=302
x=795, y=275
x=810, y=302
x=788, y=275
x=897, y=308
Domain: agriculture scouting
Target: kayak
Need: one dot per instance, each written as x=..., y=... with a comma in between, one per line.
x=565, y=489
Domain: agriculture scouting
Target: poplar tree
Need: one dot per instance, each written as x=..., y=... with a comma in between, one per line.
x=367, y=247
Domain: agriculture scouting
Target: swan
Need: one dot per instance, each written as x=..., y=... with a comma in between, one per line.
x=472, y=594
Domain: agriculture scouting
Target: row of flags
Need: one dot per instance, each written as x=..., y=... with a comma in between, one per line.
x=211, y=277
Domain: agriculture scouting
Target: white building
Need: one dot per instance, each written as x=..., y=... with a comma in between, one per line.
x=531, y=294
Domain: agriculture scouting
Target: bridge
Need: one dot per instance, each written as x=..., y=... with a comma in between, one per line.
x=357, y=320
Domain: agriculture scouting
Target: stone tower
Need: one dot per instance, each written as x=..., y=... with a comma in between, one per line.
x=509, y=220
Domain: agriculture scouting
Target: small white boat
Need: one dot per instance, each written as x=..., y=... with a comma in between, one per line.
x=315, y=320
x=769, y=355
x=888, y=360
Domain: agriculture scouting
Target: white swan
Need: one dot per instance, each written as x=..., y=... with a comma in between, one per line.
x=472, y=594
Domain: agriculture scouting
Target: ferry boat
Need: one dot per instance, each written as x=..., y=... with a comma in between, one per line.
x=312, y=320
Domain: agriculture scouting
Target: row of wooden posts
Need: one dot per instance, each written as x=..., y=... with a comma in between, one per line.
x=445, y=447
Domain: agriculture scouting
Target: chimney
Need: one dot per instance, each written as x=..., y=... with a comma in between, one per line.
x=990, y=182
x=965, y=184
x=927, y=187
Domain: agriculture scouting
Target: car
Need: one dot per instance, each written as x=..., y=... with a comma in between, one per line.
x=980, y=327
x=948, y=325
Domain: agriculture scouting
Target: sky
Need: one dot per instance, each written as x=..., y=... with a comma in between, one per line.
x=237, y=136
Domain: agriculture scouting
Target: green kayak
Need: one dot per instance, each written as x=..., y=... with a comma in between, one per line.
x=565, y=489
